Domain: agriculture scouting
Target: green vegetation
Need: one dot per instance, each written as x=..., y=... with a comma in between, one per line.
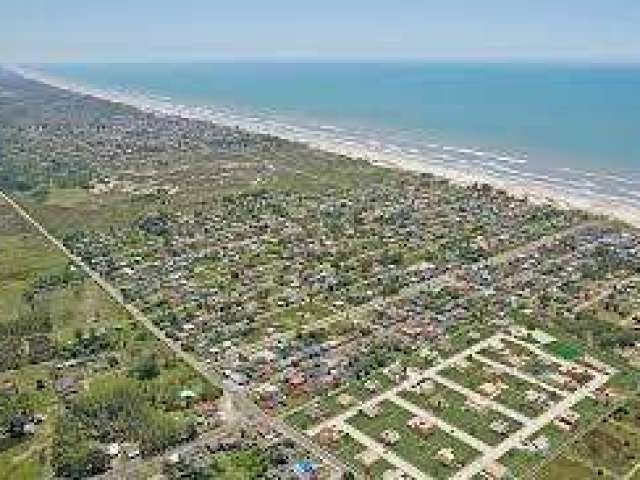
x=240, y=465
x=420, y=450
x=566, y=350
x=455, y=410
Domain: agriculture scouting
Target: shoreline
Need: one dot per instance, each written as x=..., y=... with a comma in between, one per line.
x=536, y=187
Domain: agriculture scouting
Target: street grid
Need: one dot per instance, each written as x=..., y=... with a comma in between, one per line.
x=486, y=454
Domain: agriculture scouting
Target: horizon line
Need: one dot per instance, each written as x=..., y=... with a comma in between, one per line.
x=319, y=61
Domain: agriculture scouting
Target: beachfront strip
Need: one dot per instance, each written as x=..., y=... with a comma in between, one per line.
x=379, y=425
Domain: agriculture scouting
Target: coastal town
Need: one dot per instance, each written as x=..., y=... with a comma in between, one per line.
x=180, y=299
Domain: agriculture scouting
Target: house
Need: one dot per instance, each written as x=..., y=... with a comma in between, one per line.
x=437, y=402
x=329, y=436
x=499, y=426
x=445, y=456
x=534, y=396
x=426, y=387
x=537, y=445
x=372, y=386
x=344, y=400
x=368, y=457
x=518, y=331
x=462, y=364
x=477, y=403
x=389, y=437
x=20, y=425
x=297, y=382
x=67, y=385
x=394, y=474
x=542, y=337
x=371, y=411
x=421, y=424
x=491, y=389
x=413, y=373
x=496, y=471
x=393, y=372
x=305, y=470
x=567, y=421
x=113, y=449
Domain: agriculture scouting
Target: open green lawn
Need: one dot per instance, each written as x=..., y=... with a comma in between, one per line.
x=566, y=350
x=347, y=449
x=472, y=376
x=294, y=318
x=13, y=467
x=84, y=306
x=514, y=396
x=612, y=446
x=24, y=259
x=523, y=462
x=412, y=447
x=68, y=197
x=566, y=468
x=378, y=469
x=457, y=414
x=589, y=410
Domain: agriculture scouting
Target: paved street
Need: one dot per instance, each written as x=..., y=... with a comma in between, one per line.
x=339, y=419
x=518, y=374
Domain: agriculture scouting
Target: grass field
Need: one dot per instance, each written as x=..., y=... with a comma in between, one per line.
x=566, y=350
x=458, y=415
x=412, y=447
x=68, y=197
x=24, y=259
x=567, y=468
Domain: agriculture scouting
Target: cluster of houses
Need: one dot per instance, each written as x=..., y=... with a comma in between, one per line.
x=282, y=460
x=65, y=137
x=203, y=298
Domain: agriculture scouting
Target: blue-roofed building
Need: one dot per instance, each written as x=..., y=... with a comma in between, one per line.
x=305, y=470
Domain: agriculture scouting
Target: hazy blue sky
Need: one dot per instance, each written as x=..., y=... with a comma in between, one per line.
x=156, y=30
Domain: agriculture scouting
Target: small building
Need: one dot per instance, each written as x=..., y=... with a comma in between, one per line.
x=390, y=437
x=329, y=436
x=496, y=471
x=477, y=403
x=446, y=456
x=395, y=474
x=491, y=389
x=368, y=457
x=567, y=421
x=371, y=411
x=422, y=424
x=344, y=400
x=535, y=396
x=305, y=470
x=499, y=426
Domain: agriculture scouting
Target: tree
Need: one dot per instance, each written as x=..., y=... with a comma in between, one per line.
x=147, y=367
x=74, y=454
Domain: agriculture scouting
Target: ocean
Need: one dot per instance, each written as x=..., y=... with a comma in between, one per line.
x=570, y=132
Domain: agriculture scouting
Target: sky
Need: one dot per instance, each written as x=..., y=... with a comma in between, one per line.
x=33, y=31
